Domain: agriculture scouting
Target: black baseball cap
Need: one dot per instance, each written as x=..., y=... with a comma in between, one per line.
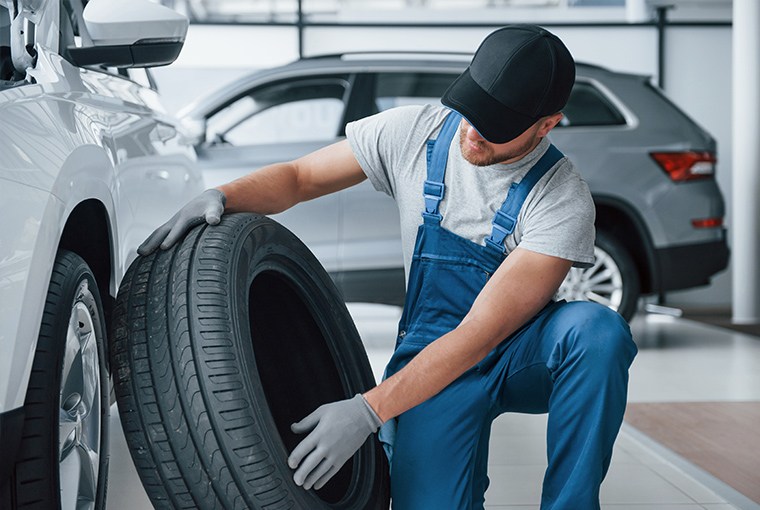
x=519, y=74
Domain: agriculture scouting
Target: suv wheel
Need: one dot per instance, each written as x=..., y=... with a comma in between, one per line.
x=63, y=458
x=612, y=281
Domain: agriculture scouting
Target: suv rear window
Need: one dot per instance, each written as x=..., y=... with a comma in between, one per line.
x=400, y=89
x=587, y=106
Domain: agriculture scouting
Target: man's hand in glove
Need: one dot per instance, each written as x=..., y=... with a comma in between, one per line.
x=207, y=207
x=338, y=430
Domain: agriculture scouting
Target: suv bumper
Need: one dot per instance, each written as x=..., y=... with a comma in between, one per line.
x=691, y=265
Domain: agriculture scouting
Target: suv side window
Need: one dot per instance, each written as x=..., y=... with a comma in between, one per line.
x=309, y=109
x=399, y=89
x=587, y=106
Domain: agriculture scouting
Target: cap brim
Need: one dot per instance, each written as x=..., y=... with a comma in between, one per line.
x=494, y=121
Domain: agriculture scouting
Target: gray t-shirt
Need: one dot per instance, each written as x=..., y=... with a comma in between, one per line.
x=557, y=218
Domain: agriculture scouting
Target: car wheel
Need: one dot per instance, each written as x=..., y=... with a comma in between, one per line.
x=220, y=344
x=612, y=281
x=63, y=456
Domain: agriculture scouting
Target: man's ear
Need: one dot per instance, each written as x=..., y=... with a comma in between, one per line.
x=548, y=123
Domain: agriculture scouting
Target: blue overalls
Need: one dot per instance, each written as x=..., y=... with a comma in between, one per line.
x=570, y=360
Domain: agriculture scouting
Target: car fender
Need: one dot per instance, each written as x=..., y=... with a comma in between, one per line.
x=27, y=243
x=35, y=219
x=648, y=264
x=88, y=174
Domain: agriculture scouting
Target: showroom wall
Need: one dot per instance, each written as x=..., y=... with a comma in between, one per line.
x=697, y=64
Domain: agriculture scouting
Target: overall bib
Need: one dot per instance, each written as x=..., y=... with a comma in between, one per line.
x=570, y=359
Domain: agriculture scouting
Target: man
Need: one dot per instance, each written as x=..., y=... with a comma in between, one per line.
x=493, y=217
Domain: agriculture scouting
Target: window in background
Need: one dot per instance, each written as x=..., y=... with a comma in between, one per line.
x=308, y=110
x=6, y=62
x=596, y=3
x=587, y=106
x=237, y=11
x=399, y=89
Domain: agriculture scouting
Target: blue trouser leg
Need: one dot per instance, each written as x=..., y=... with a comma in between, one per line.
x=571, y=361
x=438, y=444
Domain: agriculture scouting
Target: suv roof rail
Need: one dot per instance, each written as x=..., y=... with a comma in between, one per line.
x=413, y=53
x=373, y=53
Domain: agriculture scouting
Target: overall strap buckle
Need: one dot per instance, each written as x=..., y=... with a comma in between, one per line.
x=433, y=193
x=506, y=217
x=437, y=158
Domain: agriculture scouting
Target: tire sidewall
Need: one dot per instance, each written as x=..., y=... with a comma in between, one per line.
x=284, y=254
x=628, y=273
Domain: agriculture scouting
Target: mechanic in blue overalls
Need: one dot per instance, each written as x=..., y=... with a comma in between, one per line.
x=492, y=217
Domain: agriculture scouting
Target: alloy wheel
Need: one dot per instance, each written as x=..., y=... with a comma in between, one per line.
x=601, y=283
x=80, y=413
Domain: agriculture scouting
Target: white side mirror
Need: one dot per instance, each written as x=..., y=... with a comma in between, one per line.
x=130, y=33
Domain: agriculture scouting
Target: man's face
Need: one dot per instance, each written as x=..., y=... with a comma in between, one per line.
x=478, y=151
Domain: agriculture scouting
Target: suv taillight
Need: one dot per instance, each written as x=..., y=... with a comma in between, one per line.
x=686, y=166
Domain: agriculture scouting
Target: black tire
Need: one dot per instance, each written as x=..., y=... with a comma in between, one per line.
x=220, y=343
x=36, y=481
x=613, y=280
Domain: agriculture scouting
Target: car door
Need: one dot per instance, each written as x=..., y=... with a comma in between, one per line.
x=370, y=235
x=275, y=122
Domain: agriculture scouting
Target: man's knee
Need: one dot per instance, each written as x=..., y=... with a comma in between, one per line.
x=596, y=332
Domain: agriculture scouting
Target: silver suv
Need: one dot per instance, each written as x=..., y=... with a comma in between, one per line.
x=650, y=169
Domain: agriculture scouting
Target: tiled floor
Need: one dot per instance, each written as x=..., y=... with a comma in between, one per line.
x=679, y=360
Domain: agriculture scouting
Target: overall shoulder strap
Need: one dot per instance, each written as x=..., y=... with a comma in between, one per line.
x=437, y=157
x=506, y=217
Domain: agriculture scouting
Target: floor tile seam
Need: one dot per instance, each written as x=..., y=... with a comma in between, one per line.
x=730, y=495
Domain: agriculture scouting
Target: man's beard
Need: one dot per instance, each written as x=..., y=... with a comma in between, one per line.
x=487, y=156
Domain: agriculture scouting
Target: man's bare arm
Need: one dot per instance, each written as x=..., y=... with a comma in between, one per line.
x=520, y=288
x=278, y=187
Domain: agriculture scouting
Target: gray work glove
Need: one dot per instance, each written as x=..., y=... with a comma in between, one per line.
x=208, y=207
x=339, y=430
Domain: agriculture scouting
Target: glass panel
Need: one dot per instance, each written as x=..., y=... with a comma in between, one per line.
x=596, y=3
x=399, y=89
x=307, y=110
x=5, y=27
x=232, y=11
x=6, y=62
x=588, y=107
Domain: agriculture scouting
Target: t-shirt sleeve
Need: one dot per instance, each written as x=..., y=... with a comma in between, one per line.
x=561, y=222
x=379, y=142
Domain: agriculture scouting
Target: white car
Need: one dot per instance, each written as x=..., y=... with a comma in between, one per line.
x=89, y=164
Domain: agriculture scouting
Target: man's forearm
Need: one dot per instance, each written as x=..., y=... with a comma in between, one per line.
x=427, y=374
x=269, y=190
x=442, y=362
x=278, y=187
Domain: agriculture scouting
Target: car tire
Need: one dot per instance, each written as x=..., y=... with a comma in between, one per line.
x=63, y=455
x=612, y=281
x=220, y=344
